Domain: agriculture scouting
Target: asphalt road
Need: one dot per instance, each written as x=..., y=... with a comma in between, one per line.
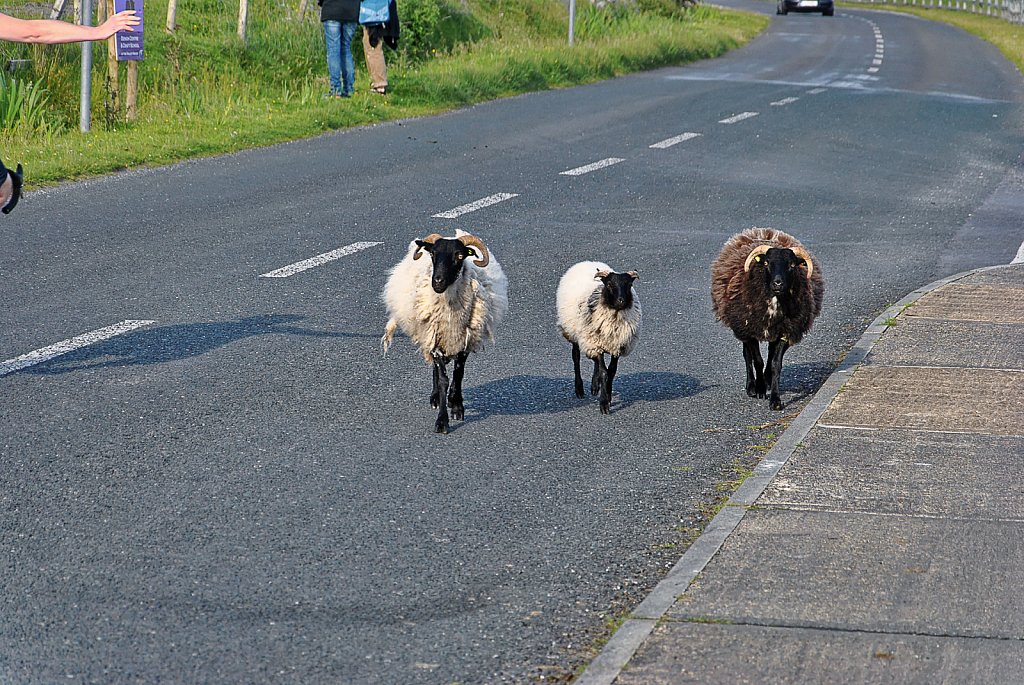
x=245, y=491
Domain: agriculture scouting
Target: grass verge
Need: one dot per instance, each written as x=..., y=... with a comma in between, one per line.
x=203, y=94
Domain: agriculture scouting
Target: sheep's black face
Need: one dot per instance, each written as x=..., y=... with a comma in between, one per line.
x=448, y=255
x=781, y=268
x=617, y=293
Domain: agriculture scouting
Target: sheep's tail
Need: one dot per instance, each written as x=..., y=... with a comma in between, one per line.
x=389, y=334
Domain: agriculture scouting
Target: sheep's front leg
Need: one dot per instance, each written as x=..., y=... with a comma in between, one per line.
x=755, y=368
x=441, y=370
x=606, y=389
x=576, y=370
x=773, y=370
x=435, y=393
x=597, y=380
x=455, y=405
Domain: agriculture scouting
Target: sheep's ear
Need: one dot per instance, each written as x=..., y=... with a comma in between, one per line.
x=422, y=245
x=634, y=275
x=471, y=252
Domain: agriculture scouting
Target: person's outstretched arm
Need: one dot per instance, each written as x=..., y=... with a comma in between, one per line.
x=49, y=31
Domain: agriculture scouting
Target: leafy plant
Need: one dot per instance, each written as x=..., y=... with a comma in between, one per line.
x=22, y=104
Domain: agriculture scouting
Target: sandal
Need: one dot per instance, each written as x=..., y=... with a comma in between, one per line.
x=380, y=90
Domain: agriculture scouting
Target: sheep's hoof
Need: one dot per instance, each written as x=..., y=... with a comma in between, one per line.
x=595, y=388
x=579, y=390
x=435, y=400
x=457, y=411
x=606, y=407
x=775, y=403
x=441, y=426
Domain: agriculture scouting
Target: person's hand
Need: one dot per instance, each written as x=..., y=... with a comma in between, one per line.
x=119, y=22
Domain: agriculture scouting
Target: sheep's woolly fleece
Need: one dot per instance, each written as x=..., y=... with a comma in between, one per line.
x=584, y=319
x=460, y=319
x=742, y=303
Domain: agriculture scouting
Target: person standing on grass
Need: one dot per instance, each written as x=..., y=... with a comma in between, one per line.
x=340, y=19
x=374, y=37
x=50, y=32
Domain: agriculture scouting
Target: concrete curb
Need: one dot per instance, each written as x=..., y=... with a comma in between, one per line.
x=619, y=650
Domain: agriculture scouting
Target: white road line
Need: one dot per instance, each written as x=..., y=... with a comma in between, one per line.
x=579, y=171
x=737, y=117
x=45, y=354
x=1019, y=259
x=292, y=269
x=872, y=70
x=783, y=101
x=473, y=206
x=815, y=91
x=669, y=142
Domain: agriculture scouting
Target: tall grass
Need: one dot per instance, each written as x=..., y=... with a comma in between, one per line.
x=203, y=92
x=22, y=105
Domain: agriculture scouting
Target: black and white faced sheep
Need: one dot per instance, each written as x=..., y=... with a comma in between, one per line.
x=766, y=287
x=599, y=313
x=449, y=305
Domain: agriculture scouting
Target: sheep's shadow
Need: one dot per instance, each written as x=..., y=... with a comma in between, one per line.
x=526, y=394
x=804, y=379
x=162, y=344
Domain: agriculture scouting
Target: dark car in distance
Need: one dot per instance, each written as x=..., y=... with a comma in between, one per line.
x=826, y=7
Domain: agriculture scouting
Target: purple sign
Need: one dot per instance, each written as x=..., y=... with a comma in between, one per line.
x=128, y=44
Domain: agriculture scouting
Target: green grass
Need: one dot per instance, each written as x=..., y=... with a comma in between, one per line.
x=203, y=93
x=1009, y=38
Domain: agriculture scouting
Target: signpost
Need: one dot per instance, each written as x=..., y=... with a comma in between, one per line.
x=572, y=19
x=128, y=44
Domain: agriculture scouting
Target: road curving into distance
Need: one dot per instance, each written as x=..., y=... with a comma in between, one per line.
x=210, y=474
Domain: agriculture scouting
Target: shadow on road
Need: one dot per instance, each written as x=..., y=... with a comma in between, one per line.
x=523, y=395
x=163, y=344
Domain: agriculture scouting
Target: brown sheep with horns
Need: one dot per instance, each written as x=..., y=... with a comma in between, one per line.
x=766, y=287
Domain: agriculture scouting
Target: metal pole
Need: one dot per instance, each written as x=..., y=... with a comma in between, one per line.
x=86, y=69
x=572, y=19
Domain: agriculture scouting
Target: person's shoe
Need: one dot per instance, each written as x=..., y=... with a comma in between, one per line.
x=333, y=94
x=380, y=90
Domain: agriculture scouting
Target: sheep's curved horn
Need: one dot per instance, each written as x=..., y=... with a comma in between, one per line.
x=803, y=254
x=756, y=252
x=432, y=238
x=471, y=240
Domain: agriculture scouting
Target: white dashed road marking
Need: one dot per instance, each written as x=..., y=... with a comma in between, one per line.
x=473, y=206
x=292, y=269
x=783, y=101
x=738, y=117
x=815, y=91
x=579, y=171
x=45, y=354
x=669, y=142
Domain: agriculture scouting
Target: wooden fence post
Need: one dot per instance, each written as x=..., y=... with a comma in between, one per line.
x=113, y=80
x=243, y=18
x=172, y=15
x=131, y=95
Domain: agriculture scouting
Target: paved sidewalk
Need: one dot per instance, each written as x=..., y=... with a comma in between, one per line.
x=885, y=543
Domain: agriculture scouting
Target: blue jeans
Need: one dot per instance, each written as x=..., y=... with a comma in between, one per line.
x=340, y=66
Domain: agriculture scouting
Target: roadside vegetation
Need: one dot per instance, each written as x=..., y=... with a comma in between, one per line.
x=202, y=91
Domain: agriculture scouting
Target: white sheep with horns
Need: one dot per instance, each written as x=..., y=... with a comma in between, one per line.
x=449, y=306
